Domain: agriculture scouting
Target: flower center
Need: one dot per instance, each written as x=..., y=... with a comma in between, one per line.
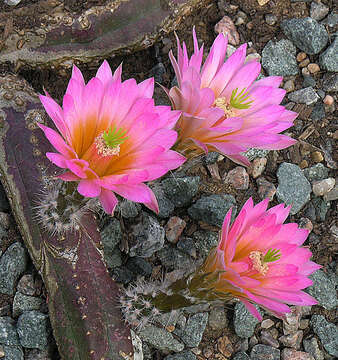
x=108, y=143
x=259, y=260
x=238, y=100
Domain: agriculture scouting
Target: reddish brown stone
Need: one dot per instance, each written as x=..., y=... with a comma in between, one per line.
x=227, y=27
x=174, y=229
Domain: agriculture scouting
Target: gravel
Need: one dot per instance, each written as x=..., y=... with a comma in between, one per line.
x=23, y=303
x=194, y=329
x=13, y=353
x=264, y=352
x=34, y=329
x=307, y=34
x=180, y=191
x=12, y=265
x=323, y=290
x=330, y=82
x=244, y=321
x=318, y=11
x=148, y=235
x=212, y=209
x=316, y=172
x=329, y=58
x=293, y=187
x=279, y=58
x=327, y=333
x=184, y=355
x=306, y=96
x=160, y=339
x=8, y=333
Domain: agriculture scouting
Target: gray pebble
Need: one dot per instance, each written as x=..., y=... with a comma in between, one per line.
x=241, y=355
x=318, y=11
x=13, y=353
x=12, y=265
x=217, y=318
x=184, y=355
x=309, y=81
x=166, y=207
x=329, y=58
x=244, y=321
x=160, y=339
x=264, y=352
x=139, y=266
x=23, y=303
x=311, y=347
x=111, y=235
x=316, y=172
x=306, y=96
x=307, y=34
x=172, y=258
x=34, y=329
x=323, y=290
x=180, y=191
x=8, y=333
x=318, y=112
x=194, y=329
x=212, y=209
x=148, y=235
x=327, y=333
x=280, y=58
x=205, y=241
x=330, y=82
x=293, y=187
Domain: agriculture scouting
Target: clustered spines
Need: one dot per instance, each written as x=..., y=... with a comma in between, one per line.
x=137, y=306
x=56, y=218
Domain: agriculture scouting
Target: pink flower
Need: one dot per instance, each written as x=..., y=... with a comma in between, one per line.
x=112, y=138
x=261, y=259
x=223, y=108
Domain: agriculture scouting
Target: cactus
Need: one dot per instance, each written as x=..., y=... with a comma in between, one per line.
x=60, y=37
x=144, y=302
x=82, y=297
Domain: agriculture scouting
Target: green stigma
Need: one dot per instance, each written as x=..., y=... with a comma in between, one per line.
x=238, y=101
x=272, y=255
x=114, y=137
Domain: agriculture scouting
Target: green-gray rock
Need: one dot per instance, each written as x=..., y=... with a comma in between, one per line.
x=307, y=34
x=327, y=333
x=13, y=353
x=323, y=290
x=244, y=321
x=212, y=209
x=160, y=339
x=8, y=333
x=293, y=187
x=33, y=328
x=12, y=265
x=23, y=303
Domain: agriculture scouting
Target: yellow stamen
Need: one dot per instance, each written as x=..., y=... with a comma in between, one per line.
x=223, y=104
x=105, y=150
x=258, y=263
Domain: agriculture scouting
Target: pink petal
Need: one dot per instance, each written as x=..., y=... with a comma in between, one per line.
x=68, y=176
x=89, y=188
x=57, y=159
x=58, y=143
x=77, y=75
x=55, y=112
x=146, y=88
x=108, y=201
x=104, y=73
x=252, y=309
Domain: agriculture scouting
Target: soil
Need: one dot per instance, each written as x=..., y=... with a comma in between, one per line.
x=257, y=33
